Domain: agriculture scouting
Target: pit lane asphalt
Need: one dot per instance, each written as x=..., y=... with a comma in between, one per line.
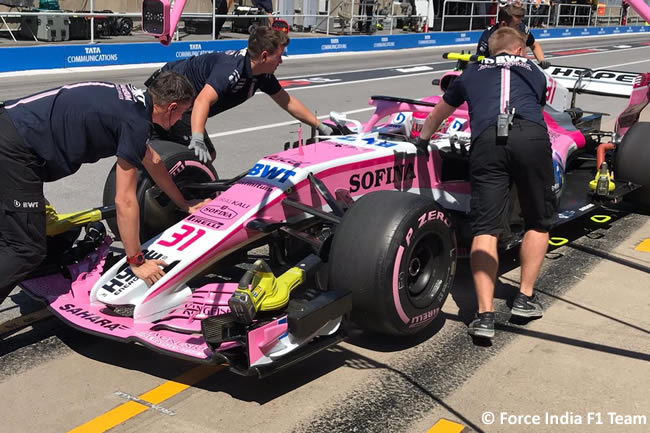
x=54, y=378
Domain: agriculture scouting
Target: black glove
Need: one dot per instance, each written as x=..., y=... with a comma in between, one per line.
x=422, y=146
x=544, y=64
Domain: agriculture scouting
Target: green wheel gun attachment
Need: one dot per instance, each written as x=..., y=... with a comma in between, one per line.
x=57, y=223
x=602, y=183
x=462, y=59
x=260, y=290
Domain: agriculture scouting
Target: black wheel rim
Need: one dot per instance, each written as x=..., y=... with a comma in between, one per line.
x=152, y=226
x=425, y=269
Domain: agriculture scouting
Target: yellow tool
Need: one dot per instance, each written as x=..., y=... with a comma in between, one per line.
x=60, y=223
x=463, y=57
x=602, y=183
x=260, y=290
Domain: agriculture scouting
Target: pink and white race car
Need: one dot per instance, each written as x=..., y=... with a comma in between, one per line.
x=360, y=228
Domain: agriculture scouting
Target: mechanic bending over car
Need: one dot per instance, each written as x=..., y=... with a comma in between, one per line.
x=512, y=16
x=505, y=94
x=225, y=80
x=49, y=135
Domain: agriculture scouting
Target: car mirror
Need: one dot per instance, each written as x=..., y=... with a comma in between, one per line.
x=155, y=17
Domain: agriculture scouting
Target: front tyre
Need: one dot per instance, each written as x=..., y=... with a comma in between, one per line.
x=396, y=253
x=157, y=211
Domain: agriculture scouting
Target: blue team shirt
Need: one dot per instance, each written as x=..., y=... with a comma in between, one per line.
x=82, y=123
x=480, y=86
x=482, y=47
x=228, y=73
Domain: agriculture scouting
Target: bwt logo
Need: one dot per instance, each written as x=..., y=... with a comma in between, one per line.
x=270, y=172
x=334, y=41
x=26, y=204
x=195, y=46
x=92, y=50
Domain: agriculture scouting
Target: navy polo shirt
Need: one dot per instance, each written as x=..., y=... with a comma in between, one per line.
x=482, y=47
x=228, y=73
x=82, y=123
x=480, y=86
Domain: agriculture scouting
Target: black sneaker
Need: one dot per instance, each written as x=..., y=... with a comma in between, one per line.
x=483, y=326
x=525, y=306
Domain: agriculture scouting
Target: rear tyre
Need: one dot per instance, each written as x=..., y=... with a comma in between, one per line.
x=632, y=162
x=396, y=253
x=157, y=211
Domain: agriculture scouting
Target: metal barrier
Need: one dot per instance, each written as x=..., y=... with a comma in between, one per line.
x=345, y=17
x=348, y=20
x=552, y=15
x=474, y=6
x=573, y=15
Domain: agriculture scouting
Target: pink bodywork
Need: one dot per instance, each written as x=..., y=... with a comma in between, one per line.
x=637, y=102
x=358, y=165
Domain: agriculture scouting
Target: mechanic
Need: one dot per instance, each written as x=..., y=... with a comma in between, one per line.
x=505, y=94
x=49, y=135
x=366, y=7
x=512, y=16
x=267, y=7
x=225, y=80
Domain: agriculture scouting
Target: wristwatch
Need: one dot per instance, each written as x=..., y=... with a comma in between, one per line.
x=136, y=260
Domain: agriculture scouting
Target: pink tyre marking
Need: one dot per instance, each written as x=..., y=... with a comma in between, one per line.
x=398, y=304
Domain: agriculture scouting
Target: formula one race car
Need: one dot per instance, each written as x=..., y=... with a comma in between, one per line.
x=361, y=227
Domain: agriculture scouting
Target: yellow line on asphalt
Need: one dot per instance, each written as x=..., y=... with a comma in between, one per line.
x=644, y=246
x=161, y=393
x=446, y=426
x=21, y=322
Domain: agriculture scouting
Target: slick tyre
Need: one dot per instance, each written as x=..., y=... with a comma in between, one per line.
x=157, y=211
x=632, y=162
x=396, y=253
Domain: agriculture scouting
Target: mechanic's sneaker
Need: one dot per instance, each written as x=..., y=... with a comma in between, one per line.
x=524, y=306
x=483, y=326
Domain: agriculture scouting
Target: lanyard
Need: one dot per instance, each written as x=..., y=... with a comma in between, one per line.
x=504, y=104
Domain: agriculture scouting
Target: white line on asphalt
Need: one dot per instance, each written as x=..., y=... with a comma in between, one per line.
x=591, y=54
x=628, y=63
x=367, y=80
x=441, y=63
x=275, y=125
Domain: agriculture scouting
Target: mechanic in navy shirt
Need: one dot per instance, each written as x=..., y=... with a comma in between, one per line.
x=225, y=80
x=512, y=16
x=49, y=135
x=524, y=156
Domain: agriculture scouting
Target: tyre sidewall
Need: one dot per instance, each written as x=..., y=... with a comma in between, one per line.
x=405, y=314
x=179, y=161
x=381, y=228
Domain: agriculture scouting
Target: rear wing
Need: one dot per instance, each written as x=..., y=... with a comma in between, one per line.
x=605, y=82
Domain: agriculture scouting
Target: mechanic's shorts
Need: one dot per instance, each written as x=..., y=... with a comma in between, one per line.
x=266, y=5
x=526, y=160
